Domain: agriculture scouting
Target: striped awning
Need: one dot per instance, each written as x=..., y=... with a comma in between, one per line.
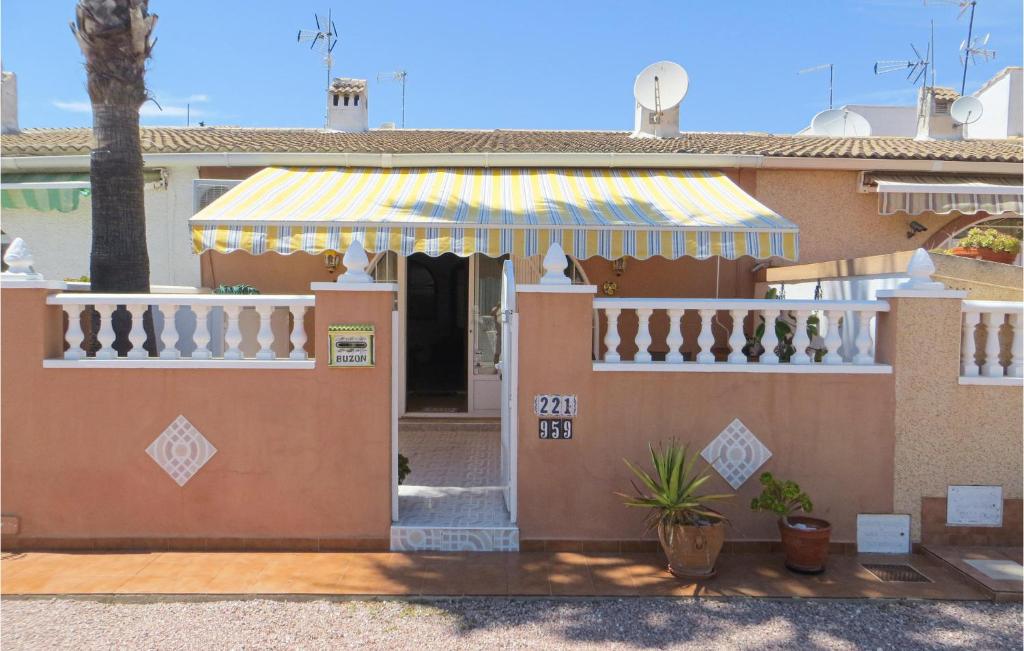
x=49, y=192
x=518, y=211
x=942, y=194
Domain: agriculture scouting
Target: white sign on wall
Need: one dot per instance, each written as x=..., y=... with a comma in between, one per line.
x=974, y=506
x=883, y=533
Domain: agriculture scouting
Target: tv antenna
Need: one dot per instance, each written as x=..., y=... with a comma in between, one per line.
x=972, y=50
x=323, y=39
x=399, y=76
x=831, y=70
x=917, y=67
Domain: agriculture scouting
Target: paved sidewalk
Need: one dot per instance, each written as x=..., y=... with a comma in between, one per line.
x=440, y=574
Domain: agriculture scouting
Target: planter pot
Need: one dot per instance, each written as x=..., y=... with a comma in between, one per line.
x=692, y=551
x=806, y=549
x=985, y=254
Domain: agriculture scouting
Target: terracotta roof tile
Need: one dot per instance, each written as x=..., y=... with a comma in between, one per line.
x=347, y=85
x=49, y=142
x=945, y=94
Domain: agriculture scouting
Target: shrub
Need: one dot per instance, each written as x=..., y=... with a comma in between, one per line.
x=990, y=238
x=783, y=498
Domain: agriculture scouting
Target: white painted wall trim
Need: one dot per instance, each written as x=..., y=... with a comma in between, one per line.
x=353, y=287
x=556, y=289
x=155, y=363
x=6, y=283
x=992, y=381
x=724, y=367
x=921, y=293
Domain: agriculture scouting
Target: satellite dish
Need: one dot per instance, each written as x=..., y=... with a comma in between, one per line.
x=966, y=109
x=840, y=123
x=661, y=86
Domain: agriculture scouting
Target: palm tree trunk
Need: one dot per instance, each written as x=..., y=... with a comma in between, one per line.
x=119, y=261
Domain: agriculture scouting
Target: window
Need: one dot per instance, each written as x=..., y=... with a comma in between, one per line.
x=346, y=100
x=335, y=100
x=357, y=99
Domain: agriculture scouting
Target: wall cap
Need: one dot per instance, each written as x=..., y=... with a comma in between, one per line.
x=353, y=287
x=7, y=282
x=556, y=289
x=921, y=293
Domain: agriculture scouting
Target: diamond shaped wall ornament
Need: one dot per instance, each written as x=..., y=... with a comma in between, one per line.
x=736, y=453
x=181, y=450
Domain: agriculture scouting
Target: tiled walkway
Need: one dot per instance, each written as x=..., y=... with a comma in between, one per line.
x=540, y=574
x=997, y=570
x=451, y=458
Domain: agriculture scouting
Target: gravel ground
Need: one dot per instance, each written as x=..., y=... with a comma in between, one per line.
x=82, y=624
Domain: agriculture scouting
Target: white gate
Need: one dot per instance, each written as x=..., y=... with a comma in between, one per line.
x=509, y=369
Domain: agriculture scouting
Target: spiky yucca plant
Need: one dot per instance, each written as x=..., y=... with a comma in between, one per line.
x=672, y=491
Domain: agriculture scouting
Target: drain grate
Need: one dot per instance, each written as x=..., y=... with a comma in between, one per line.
x=895, y=573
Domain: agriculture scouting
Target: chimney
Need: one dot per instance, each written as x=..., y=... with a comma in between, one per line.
x=933, y=119
x=646, y=123
x=8, y=102
x=347, y=105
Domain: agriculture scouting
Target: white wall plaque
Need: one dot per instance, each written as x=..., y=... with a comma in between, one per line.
x=974, y=506
x=883, y=533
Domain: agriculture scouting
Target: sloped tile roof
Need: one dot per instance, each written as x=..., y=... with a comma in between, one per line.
x=347, y=85
x=945, y=94
x=50, y=142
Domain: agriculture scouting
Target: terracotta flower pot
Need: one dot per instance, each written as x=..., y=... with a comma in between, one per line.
x=1004, y=257
x=806, y=549
x=692, y=551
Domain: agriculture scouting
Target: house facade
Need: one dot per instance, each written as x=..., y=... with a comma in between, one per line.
x=518, y=311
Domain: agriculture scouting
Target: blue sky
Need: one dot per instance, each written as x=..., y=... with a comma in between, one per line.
x=541, y=65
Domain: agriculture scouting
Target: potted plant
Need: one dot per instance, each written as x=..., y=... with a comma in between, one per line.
x=988, y=244
x=690, y=532
x=785, y=326
x=804, y=539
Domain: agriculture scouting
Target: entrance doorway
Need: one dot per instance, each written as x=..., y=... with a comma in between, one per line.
x=437, y=292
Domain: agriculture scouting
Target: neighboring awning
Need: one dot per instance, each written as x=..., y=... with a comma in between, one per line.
x=48, y=192
x=603, y=212
x=942, y=194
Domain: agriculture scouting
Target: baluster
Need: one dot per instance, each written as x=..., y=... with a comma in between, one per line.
x=675, y=337
x=832, y=339
x=1016, y=348
x=137, y=335
x=992, y=367
x=202, y=336
x=737, y=340
x=106, y=332
x=170, y=333
x=968, y=350
x=770, y=338
x=643, y=335
x=233, y=336
x=611, y=337
x=706, y=339
x=298, y=337
x=863, y=343
x=801, y=341
x=265, y=336
x=75, y=336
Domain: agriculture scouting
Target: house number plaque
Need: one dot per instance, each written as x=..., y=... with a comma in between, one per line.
x=556, y=412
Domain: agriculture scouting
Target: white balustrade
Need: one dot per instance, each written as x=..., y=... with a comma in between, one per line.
x=226, y=334
x=799, y=350
x=993, y=328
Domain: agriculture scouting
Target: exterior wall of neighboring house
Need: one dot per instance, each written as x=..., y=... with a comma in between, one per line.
x=61, y=242
x=1003, y=106
x=884, y=120
x=295, y=465
x=814, y=425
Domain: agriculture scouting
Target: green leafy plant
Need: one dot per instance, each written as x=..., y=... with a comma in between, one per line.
x=989, y=238
x=241, y=288
x=403, y=468
x=783, y=498
x=671, y=493
x=783, y=333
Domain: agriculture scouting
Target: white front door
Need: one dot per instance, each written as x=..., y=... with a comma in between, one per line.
x=484, y=326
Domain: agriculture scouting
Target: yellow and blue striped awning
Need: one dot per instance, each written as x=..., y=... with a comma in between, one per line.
x=591, y=212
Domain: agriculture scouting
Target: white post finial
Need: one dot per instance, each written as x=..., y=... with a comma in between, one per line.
x=555, y=264
x=19, y=262
x=920, y=271
x=355, y=262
